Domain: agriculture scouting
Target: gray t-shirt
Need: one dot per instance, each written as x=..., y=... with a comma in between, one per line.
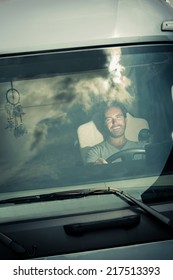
x=105, y=150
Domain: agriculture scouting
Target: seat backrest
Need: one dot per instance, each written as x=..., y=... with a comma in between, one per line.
x=89, y=135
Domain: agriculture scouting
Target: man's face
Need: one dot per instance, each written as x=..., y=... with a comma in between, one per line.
x=115, y=122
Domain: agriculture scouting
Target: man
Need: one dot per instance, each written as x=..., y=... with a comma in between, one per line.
x=115, y=124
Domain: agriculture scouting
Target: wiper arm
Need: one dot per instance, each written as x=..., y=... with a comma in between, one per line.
x=165, y=220
x=16, y=247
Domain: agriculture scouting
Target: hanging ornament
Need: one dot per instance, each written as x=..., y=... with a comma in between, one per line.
x=14, y=112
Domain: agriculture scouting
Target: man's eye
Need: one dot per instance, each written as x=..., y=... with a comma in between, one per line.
x=108, y=119
x=119, y=116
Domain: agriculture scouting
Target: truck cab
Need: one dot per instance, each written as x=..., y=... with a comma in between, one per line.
x=61, y=62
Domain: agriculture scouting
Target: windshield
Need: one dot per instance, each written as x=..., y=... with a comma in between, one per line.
x=64, y=116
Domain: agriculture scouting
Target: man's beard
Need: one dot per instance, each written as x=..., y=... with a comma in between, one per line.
x=116, y=133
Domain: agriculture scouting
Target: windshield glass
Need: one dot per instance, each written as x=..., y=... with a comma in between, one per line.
x=82, y=117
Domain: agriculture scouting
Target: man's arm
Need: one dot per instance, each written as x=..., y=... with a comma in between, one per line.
x=95, y=155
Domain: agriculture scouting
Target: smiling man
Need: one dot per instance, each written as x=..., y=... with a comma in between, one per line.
x=114, y=119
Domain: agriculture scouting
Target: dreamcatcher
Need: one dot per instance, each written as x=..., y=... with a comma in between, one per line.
x=14, y=112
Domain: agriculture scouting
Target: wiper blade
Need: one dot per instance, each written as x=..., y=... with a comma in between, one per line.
x=53, y=196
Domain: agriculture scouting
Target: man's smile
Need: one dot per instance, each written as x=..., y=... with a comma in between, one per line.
x=116, y=127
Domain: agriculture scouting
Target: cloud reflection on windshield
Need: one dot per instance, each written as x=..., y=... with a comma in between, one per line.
x=47, y=103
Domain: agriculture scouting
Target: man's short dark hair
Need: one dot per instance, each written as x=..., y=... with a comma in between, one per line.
x=117, y=105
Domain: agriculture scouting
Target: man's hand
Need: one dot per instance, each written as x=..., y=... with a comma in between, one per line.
x=101, y=161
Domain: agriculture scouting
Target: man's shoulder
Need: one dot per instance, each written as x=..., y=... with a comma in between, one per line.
x=99, y=145
x=133, y=144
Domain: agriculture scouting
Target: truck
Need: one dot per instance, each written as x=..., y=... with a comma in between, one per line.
x=78, y=181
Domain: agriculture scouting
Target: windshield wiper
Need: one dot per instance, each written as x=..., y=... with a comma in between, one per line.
x=79, y=194
x=47, y=197
x=16, y=247
x=165, y=220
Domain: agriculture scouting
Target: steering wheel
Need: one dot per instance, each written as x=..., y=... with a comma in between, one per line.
x=125, y=155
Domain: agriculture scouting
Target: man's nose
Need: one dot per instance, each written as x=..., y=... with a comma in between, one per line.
x=114, y=120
